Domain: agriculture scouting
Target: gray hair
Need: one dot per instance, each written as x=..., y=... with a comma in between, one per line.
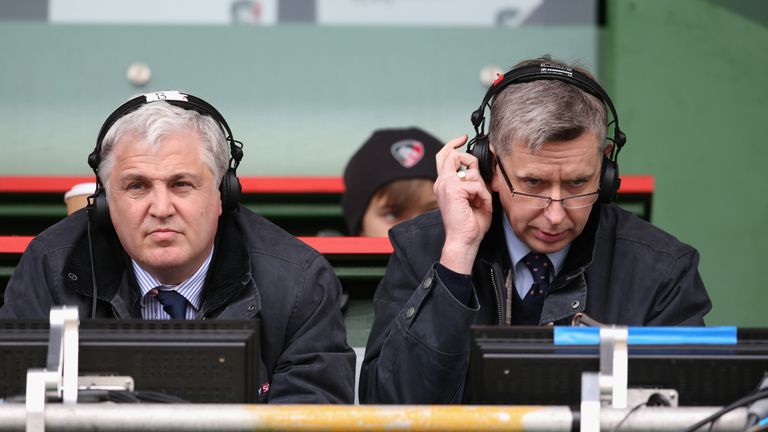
x=155, y=121
x=535, y=112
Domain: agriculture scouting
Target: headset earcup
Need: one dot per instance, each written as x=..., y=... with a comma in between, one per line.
x=98, y=210
x=481, y=149
x=609, y=180
x=230, y=190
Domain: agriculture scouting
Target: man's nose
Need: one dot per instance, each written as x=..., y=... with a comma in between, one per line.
x=555, y=212
x=161, y=205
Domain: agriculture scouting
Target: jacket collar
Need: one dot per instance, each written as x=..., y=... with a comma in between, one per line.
x=582, y=250
x=229, y=273
x=493, y=247
x=227, y=276
x=110, y=262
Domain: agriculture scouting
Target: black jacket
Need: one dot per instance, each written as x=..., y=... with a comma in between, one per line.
x=620, y=270
x=257, y=270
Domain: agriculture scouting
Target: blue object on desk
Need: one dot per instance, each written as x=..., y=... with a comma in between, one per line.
x=724, y=335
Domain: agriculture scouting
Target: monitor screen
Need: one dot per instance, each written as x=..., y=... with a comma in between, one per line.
x=207, y=361
x=524, y=366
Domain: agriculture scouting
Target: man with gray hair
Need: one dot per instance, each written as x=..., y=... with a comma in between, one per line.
x=524, y=235
x=165, y=238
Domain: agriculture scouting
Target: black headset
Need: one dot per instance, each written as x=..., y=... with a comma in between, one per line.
x=230, y=188
x=479, y=145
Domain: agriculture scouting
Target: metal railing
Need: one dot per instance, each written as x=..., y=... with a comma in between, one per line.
x=209, y=417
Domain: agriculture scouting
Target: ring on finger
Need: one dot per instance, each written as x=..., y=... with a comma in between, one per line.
x=462, y=175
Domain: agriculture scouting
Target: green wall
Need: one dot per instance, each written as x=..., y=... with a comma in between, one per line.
x=301, y=98
x=689, y=81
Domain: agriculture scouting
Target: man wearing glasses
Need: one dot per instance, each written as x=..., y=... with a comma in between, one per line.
x=532, y=246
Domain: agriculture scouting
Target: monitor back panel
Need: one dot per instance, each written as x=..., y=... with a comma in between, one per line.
x=522, y=366
x=198, y=361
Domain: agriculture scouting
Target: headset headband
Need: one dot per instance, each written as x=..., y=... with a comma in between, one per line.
x=173, y=97
x=548, y=71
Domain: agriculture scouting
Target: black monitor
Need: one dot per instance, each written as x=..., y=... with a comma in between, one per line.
x=524, y=366
x=206, y=361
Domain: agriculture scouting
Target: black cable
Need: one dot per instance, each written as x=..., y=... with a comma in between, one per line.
x=158, y=397
x=656, y=399
x=122, y=396
x=759, y=408
x=93, y=269
x=739, y=403
x=711, y=426
x=117, y=396
x=635, y=408
x=147, y=396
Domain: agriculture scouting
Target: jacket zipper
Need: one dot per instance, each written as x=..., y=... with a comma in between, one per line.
x=498, y=296
x=114, y=312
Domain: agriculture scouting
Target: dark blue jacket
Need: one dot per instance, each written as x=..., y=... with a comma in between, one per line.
x=258, y=270
x=620, y=270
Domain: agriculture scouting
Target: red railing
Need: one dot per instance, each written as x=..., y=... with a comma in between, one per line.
x=324, y=245
x=634, y=184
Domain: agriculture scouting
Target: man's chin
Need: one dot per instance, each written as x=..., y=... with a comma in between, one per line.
x=543, y=246
x=165, y=259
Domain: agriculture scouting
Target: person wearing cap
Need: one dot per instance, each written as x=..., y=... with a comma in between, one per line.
x=389, y=180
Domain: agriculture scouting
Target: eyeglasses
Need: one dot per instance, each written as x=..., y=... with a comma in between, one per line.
x=538, y=201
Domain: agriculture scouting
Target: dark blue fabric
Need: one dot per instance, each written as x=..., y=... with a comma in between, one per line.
x=459, y=284
x=527, y=311
x=174, y=304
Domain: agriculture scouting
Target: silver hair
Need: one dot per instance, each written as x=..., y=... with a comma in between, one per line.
x=535, y=112
x=156, y=120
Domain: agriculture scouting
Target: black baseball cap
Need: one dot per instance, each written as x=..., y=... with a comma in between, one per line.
x=387, y=155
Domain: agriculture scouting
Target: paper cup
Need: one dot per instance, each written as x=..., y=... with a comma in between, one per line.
x=77, y=197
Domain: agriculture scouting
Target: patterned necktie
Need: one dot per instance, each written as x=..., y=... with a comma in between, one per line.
x=174, y=304
x=531, y=306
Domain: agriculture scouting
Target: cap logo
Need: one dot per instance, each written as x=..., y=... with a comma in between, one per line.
x=408, y=152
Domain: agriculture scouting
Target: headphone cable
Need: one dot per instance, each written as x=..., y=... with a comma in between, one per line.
x=737, y=404
x=93, y=271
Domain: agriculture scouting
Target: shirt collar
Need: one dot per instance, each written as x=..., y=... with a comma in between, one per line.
x=191, y=288
x=518, y=250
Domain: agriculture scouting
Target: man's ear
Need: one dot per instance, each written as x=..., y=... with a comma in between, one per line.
x=495, y=171
x=220, y=205
x=608, y=149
